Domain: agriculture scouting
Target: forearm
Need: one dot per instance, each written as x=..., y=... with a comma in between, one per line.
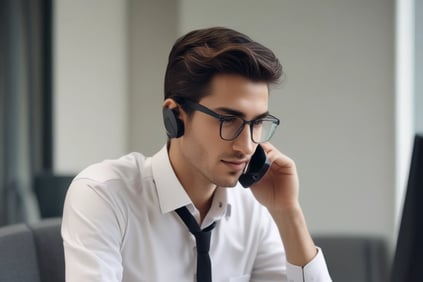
x=299, y=246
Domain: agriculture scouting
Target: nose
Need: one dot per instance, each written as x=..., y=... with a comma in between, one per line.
x=243, y=143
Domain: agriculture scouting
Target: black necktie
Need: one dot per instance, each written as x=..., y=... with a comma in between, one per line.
x=202, y=239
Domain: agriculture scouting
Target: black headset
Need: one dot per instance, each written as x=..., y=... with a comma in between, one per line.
x=173, y=124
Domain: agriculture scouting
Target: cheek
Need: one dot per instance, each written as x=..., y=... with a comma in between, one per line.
x=203, y=131
x=203, y=141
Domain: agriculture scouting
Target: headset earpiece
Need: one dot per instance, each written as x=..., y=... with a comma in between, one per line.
x=173, y=124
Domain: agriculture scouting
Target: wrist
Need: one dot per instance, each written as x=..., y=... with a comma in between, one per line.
x=286, y=210
x=295, y=236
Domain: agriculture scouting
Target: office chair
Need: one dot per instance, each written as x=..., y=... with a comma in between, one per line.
x=354, y=258
x=32, y=252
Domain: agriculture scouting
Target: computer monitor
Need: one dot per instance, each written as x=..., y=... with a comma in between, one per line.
x=408, y=259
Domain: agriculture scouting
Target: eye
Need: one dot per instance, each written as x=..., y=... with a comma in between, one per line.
x=229, y=119
x=258, y=122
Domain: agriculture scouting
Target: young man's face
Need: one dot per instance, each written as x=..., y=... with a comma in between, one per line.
x=218, y=161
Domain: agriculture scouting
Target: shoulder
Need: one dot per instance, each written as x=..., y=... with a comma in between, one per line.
x=126, y=170
x=127, y=167
x=112, y=178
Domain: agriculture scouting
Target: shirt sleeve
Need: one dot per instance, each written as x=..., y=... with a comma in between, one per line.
x=92, y=234
x=316, y=270
x=271, y=263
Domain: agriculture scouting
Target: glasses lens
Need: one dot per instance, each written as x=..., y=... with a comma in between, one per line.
x=231, y=127
x=262, y=129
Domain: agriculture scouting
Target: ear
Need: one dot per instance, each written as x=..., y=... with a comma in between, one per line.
x=173, y=124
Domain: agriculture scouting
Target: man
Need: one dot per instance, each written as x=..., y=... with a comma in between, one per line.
x=130, y=219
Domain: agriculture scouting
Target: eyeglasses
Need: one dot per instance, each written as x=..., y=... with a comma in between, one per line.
x=231, y=126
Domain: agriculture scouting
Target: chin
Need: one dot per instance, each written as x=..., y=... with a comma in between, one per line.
x=225, y=178
x=226, y=182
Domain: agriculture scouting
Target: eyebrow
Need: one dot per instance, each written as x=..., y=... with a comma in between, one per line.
x=233, y=112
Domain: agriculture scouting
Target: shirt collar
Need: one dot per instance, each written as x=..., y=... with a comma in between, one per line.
x=172, y=195
x=170, y=191
x=219, y=207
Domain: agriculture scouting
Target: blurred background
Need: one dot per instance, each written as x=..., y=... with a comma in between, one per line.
x=82, y=81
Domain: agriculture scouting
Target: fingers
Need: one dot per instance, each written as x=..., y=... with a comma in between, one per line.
x=277, y=157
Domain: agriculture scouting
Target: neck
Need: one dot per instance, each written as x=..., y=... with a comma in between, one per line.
x=198, y=188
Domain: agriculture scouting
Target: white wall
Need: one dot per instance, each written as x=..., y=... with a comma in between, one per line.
x=405, y=102
x=90, y=82
x=336, y=103
x=153, y=29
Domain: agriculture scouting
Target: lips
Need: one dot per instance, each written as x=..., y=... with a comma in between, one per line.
x=235, y=165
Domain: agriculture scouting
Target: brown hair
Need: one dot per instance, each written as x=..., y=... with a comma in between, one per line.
x=199, y=55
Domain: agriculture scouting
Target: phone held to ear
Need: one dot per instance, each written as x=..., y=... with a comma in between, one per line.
x=256, y=168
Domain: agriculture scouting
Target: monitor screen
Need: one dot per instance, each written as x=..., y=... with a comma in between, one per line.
x=408, y=259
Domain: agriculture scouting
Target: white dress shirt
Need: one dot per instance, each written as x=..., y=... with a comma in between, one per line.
x=119, y=224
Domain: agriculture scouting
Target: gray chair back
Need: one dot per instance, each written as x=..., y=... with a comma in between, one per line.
x=49, y=246
x=355, y=258
x=18, y=261
x=32, y=252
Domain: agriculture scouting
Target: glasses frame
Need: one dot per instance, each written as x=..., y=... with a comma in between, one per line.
x=222, y=118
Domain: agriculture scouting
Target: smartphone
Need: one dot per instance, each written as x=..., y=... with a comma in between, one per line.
x=256, y=168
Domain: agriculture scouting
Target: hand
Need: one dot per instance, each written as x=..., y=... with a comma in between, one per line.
x=279, y=188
